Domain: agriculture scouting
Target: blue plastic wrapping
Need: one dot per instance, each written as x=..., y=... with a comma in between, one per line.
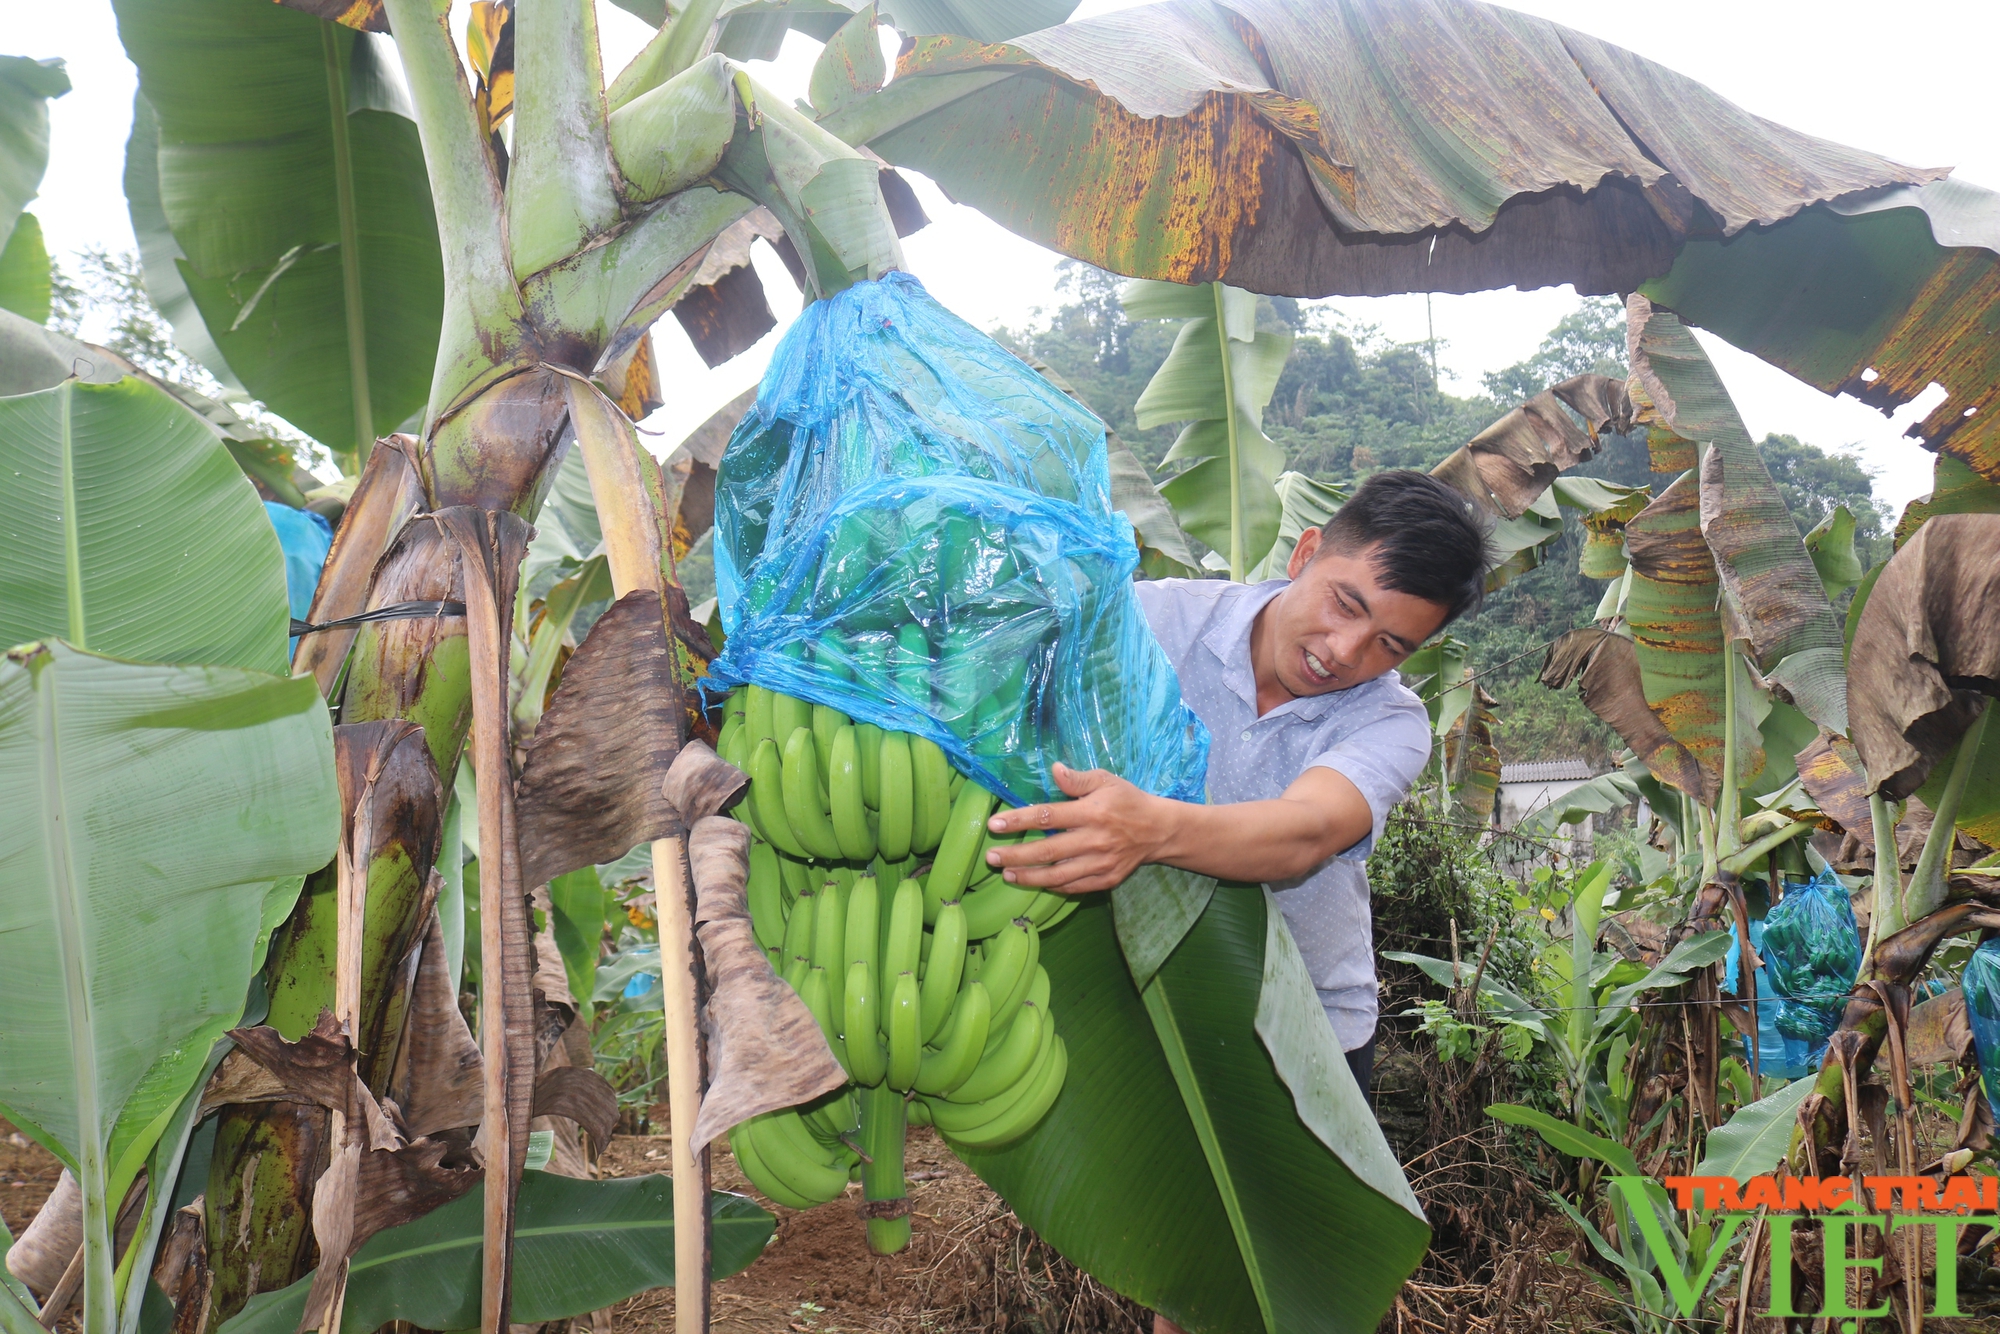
x=1812, y=952
x=1981, y=981
x=914, y=527
x=305, y=538
x=1778, y=1056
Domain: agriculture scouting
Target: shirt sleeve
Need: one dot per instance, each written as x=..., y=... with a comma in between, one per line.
x=1382, y=758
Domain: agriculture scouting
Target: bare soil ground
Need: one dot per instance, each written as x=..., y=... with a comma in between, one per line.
x=28, y=1173
x=970, y=1266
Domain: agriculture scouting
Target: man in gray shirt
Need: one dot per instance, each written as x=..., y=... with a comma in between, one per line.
x=1313, y=735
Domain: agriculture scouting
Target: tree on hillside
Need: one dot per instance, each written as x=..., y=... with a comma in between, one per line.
x=1813, y=482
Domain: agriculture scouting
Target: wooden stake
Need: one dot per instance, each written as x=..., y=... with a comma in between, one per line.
x=626, y=486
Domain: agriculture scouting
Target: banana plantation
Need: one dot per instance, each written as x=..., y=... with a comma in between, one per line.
x=420, y=909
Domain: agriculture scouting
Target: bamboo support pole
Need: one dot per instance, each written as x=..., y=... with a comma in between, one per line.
x=627, y=491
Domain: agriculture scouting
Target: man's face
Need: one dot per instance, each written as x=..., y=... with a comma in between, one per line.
x=1337, y=626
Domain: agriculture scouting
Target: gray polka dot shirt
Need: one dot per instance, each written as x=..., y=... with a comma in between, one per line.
x=1375, y=734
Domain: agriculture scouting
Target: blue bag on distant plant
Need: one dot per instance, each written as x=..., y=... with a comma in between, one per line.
x=1981, y=981
x=915, y=528
x=1812, y=953
x=1778, y=1056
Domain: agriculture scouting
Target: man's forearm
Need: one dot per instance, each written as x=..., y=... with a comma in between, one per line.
x=1249, y=840
x=1110, y=828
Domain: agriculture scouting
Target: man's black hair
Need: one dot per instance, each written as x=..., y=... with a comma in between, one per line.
x=1430, y=541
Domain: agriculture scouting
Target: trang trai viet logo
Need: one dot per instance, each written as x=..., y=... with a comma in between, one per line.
x=1841, y=1208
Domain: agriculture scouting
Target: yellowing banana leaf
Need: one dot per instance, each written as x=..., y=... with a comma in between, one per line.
x=1875, y=295
x=1606, y=508
x=26, y=86
x=1471, y=761
x=1284, y=146
x=1762, y=563
x=1676, y=629
x=1302, y=504
x=1221, y=372
x=1606, y=666
x=157, y=823
x=296, y=207
x=579, y=1246
x=1210, y=1155
x=172, y=560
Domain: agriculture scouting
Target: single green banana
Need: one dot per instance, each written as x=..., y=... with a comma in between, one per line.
x=958, y=782
x=790, y=1152
x=767, y=793
x=964, y=833
x=931, y=782
x=868, y=739
x=964, y=1043
x=863, y=943
x=898, y=798
x=905, y=1025
x=743, y=1143
x=766, y=892
x=798, y=939
x=1038, y=991
x=826, y=724
x=1045, y=907
x=1008, y=959
x=820, y=1002
x=944, y=968
x=912, y=662
x=1004, y=1066
x=1063, y=913
x=757, y=725
x=843, y=874
x=795, y=972
x=800, y=786
x=734, y=703
x=849, y=807
x=788, y=714
x=902, y=949
x=727, y=740
x=796, y=875
x=1004, y=1002
x=830, y=943
x=867, y=1062
x=992, y=903
x=918, y=1111
x=1025, y=1112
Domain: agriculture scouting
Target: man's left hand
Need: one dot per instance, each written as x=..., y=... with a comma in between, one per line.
x=1109, y=827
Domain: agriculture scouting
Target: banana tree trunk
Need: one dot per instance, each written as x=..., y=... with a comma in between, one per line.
x=500, y=452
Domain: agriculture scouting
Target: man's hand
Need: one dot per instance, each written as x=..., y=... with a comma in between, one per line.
x=1109, y=828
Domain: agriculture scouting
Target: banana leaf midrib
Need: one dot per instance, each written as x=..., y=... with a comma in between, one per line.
x=1160, y=1009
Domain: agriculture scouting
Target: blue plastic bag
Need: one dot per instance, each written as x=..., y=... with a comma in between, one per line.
x=1778, y=1056
x=1981, y=981
x=914, y=527
x=1812, y=953
x=305, y=538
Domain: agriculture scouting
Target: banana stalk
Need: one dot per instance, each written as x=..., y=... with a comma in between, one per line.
x=886, y=1195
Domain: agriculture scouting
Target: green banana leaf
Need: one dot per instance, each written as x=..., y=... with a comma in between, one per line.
x=577, y=898
x=26, y=86
x=1566, y=1137
x=25, y=288
x=1302, y=504
x=157, y=823
x=1831, y=546
x=1606, y=792
x=293, y=186
x=1221, y=372
x=1756, y=1139
x=1979, y=804
x=1955, y=489
x=130, y=531
x=1210, y=1155
x=579, y=1246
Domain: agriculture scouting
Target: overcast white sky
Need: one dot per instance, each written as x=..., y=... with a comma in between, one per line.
x=1912, y=81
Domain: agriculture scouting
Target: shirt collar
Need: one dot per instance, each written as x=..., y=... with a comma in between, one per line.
x=1229, y=640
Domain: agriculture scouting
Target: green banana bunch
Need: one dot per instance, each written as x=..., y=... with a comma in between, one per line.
x=870, y=891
